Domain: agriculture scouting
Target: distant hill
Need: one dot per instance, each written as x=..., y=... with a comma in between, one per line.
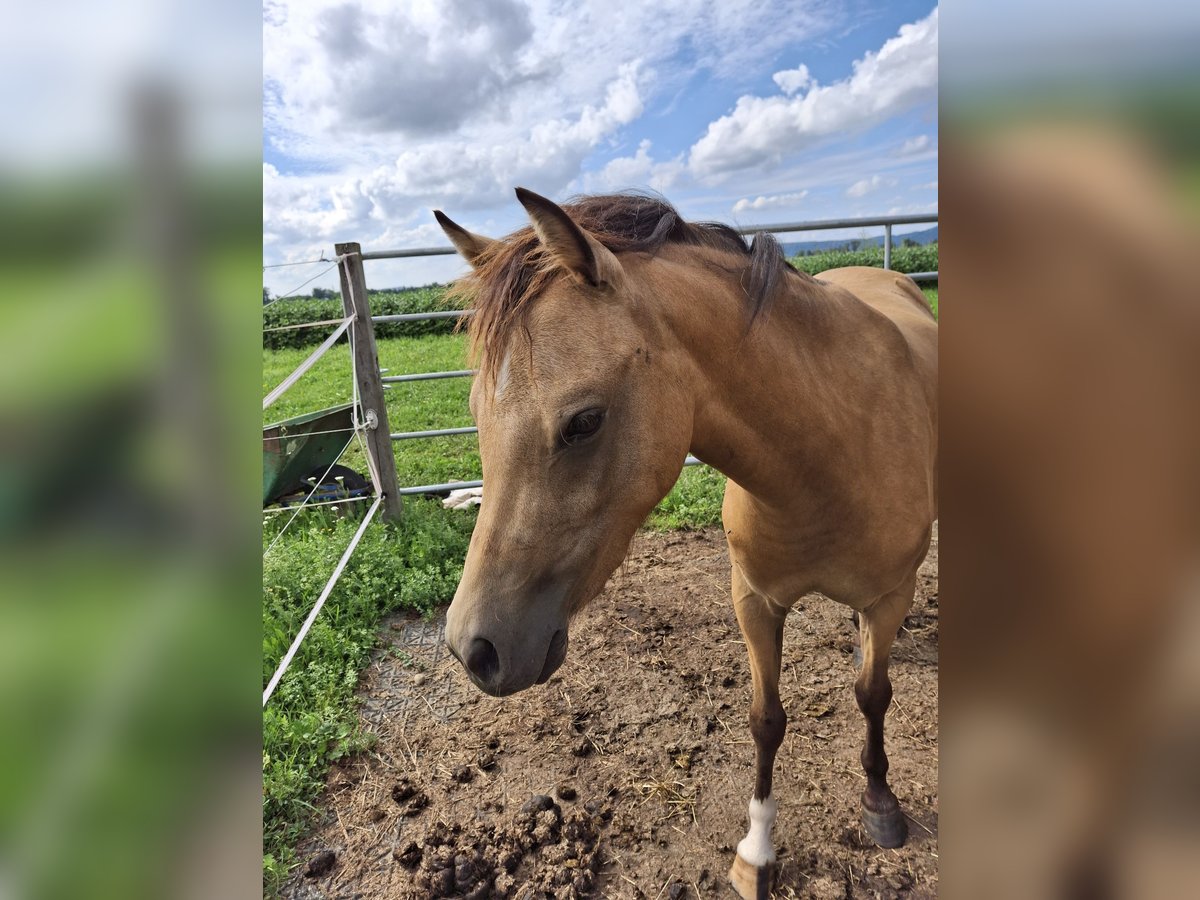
x=792, y=248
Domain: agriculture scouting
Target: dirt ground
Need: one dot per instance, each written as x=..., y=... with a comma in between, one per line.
x=627, y=775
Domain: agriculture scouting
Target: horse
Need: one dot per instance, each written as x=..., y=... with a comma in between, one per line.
x=613, y=338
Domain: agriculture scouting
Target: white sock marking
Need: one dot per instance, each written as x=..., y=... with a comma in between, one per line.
x=756, y=847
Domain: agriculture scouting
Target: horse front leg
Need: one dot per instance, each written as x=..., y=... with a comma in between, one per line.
x=761, y=623
x=878, y=625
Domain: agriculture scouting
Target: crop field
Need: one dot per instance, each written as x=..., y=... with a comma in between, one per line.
x=313, y=720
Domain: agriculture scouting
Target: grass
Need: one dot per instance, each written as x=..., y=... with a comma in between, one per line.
x=312, y=719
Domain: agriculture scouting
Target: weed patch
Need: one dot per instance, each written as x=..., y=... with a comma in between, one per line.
x=312, y=717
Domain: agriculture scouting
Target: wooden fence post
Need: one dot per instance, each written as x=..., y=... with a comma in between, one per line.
x=370, y=388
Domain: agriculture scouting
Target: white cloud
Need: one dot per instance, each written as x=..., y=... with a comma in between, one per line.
x=792, y=80
x=911, y=209
x=347, y=83
x=472, y=174
x=633, y=172
x=917, y=144
x=869, y=186
x=366, y=67
x=772, y=201
x=763, y=130
x=628, y=171
x=465, y=175
x=384, y=110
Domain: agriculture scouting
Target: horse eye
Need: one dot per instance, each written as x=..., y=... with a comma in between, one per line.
x=582, y=426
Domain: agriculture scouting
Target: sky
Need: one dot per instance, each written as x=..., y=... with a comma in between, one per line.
x=744, y=111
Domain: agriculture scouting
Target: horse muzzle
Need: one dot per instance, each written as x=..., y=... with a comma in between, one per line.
x=501, y=665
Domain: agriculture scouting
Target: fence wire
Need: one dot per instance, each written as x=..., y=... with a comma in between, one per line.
x=312, y=616
x=303, y=503
x=308, y=281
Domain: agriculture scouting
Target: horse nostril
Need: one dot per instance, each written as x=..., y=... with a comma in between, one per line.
x=482, y=660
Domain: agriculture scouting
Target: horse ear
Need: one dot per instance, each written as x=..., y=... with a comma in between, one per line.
x=471, y=246
x=573, y=248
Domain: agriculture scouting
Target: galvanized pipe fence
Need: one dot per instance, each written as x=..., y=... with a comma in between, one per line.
x=351, y=256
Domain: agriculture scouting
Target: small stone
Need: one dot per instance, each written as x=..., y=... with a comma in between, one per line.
x=566, y=792
x=419, y=679
x=320, y=864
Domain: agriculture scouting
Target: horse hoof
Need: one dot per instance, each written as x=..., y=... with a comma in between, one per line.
x=887, y=830
x=751, y=882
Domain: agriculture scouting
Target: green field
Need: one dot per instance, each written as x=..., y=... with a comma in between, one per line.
x=312, y=718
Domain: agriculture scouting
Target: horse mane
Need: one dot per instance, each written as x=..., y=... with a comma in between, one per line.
x=514, y=271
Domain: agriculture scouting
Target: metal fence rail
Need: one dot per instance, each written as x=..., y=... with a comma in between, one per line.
x=436, y=432
x=426, y=376
x=420, y=317
x=784, y=227
x=448, y=486
x=886, y=222
x=308, y=363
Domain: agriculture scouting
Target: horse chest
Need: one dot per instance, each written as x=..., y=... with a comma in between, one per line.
x=786, y=560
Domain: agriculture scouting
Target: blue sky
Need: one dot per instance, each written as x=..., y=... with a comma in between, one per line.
x=746, y=111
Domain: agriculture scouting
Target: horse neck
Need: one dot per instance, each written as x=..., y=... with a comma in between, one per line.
x=770, y=398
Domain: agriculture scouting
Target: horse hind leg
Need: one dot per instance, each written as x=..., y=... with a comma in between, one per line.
x=761, y=623
x=878, y=624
